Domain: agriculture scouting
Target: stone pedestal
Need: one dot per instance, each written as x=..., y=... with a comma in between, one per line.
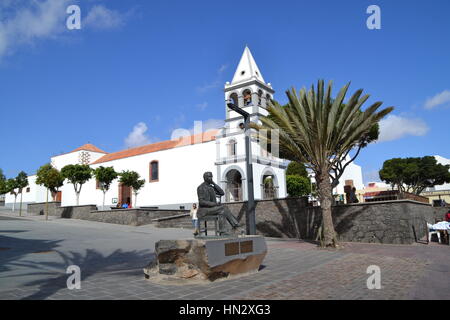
x=206, y=259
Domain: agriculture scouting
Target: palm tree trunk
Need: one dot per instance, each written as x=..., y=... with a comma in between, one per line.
x=104, y=194
x=78, y=198
x=326, y=200
x=14, y=204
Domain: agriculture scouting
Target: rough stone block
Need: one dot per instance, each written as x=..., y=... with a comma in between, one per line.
x=206, y=259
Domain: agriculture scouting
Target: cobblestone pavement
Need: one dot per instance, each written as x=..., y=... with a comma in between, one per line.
x=34, y=255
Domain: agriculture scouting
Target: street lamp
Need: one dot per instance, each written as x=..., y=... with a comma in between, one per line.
x=250, y=214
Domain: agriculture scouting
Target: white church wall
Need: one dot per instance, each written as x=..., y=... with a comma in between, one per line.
x=180, y=173
x=36, y=193
x=64, y=159
x=352, y=172
x=73, y=158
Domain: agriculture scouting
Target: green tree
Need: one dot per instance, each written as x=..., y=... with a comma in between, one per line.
x=298, y=186
x=77, y=174
x=297, y=169
x=21, y=182
x=132, y=179
x=10, y=187
x=2, y=183
x=105, y=176
x=50, y=178
x=320, y=131
x=414, y=174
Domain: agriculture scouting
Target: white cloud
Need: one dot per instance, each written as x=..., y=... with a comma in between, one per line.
x=396, y=127
x=137, y=137
x=209, y=86
x=214, y=84
x=202, y=106
x=222, y=68
x=21, y=25
x=438, y=99
x=100, y=17
x=24, y=22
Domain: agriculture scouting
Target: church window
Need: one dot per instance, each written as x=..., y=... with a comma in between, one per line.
x=232, y=148
x=234, y=98
x=260, y=93
x=154, y=171
x=242, y=73
x=247, y=97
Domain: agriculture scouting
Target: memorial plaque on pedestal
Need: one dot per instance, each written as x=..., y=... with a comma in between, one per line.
x=207, y=259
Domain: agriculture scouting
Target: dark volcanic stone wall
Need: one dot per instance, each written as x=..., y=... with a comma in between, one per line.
x=400, y=222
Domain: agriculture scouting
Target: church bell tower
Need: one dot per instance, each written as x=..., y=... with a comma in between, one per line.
x=249, y=91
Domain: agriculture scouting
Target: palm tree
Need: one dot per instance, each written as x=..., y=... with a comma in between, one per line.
x=315, y=129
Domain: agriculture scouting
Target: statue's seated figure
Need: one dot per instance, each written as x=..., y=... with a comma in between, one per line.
x=207, y=203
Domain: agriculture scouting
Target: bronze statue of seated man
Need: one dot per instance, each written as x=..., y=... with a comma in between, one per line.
x=207, y=203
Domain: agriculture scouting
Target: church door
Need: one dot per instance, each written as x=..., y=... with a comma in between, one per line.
x=124, y=194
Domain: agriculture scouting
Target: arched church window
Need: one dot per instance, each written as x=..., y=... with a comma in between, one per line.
x=260, y=94
x=247, y=97
x=269, y=187
x=234, y=98
x=154, y=171
x=268, y=98
x=232, y=150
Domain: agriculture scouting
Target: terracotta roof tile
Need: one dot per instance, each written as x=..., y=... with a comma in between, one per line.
x=159, y=146
x=88, y=147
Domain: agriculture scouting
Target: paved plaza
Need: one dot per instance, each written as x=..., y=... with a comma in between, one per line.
x=34, y=256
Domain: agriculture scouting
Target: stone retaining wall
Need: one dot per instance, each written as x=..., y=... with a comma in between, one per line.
x=397, y=222
x=177, y=221
x=132, y=217
x=77, y=212
x=277, y=217
x=400, y=221
x=38, y=209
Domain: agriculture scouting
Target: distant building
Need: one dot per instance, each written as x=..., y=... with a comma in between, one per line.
x=439, y=195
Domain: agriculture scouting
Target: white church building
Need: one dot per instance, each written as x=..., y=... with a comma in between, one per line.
x=173, y=169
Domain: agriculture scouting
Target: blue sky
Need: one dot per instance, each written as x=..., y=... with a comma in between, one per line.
x=139, y=69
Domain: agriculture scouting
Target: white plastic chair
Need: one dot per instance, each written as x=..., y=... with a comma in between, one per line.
x=432, y=231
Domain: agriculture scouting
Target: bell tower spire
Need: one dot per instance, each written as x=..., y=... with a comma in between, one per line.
x=247, y=69
x=248, y=88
